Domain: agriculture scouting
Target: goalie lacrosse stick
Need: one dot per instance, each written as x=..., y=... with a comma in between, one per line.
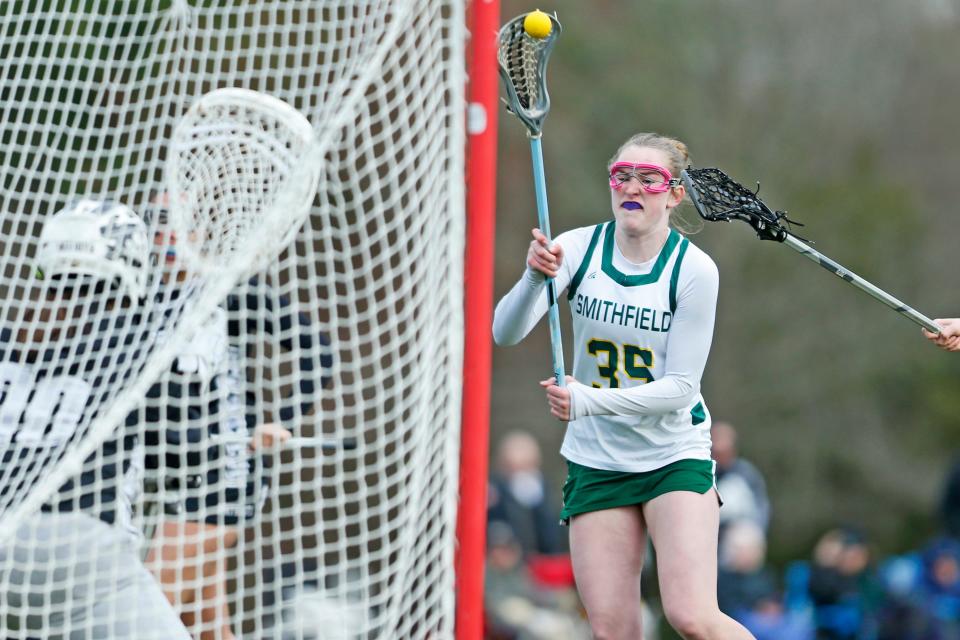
x=718, y=198
x=242, y=177
x=522, y=60
x=242, y=173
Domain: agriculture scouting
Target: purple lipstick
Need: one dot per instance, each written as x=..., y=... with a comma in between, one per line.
x=630, y=205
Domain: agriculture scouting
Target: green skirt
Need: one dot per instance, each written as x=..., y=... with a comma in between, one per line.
x=588, y=489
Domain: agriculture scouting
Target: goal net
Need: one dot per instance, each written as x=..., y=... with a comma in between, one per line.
x=231, y=339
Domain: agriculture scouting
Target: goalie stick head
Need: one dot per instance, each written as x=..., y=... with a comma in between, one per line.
x=242, y=173
x=98, y=240
x=717, y=197
x=522, y=60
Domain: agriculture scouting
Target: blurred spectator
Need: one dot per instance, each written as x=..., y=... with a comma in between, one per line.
x=939, y=590
x=515, y=608
x=922, y=594
x=743, y=581
x=747, y=591
x=520, y=497
x=840, y=585
x=941, y=578
x=740, y=483
x=901, y=613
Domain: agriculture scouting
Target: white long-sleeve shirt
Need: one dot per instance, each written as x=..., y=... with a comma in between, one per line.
x=642, y=333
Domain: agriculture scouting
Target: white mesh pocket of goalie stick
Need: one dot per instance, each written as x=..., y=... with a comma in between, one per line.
x=241, y=177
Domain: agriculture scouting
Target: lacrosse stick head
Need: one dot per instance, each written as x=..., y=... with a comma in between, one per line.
x=717, y=197
x=241, y=177
x=523, y=68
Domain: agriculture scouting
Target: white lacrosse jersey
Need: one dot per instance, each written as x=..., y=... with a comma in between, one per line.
x=642, y=333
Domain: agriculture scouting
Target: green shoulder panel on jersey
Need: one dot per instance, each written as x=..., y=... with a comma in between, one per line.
x=675, y=276
x=585, y=264
x=632, y=281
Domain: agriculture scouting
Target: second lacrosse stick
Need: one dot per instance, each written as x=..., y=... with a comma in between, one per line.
x=718, y=198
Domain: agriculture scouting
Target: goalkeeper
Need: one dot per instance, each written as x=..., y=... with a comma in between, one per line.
x=208, y=488
x=638, y=441
x=73, y=570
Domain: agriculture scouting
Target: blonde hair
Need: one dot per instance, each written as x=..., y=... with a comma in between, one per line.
x=678, y=159
x=676, y=151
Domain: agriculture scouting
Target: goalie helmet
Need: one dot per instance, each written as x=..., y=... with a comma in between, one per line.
x=100, y=240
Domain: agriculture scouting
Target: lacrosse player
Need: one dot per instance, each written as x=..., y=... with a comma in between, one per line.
x=637, y=444
x=200, y=410
x=73, y=570
x=949, y=336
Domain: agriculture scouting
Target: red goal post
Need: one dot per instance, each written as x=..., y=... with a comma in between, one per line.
x=482, y=105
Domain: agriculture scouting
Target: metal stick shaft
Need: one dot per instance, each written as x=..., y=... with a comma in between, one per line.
x=849, y=276
x=543, y=216
x=328, y=445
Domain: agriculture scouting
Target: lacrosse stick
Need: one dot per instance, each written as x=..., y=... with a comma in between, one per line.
x=242, y=178
x=718, y=198
x=242, y=173
x=523, y=68
x=326, y=445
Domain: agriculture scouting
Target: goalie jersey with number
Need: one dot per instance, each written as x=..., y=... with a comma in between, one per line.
x=48, y=396
x=634, y=408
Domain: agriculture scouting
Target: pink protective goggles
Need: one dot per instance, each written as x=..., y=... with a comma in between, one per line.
x=652, y=178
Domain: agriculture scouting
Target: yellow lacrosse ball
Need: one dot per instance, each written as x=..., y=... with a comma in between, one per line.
x=537, y=24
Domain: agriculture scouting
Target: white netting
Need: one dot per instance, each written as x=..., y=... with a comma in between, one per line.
x=342, y=325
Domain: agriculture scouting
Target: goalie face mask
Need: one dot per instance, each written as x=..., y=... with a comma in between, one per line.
x=653, y=178
x=96, y=241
